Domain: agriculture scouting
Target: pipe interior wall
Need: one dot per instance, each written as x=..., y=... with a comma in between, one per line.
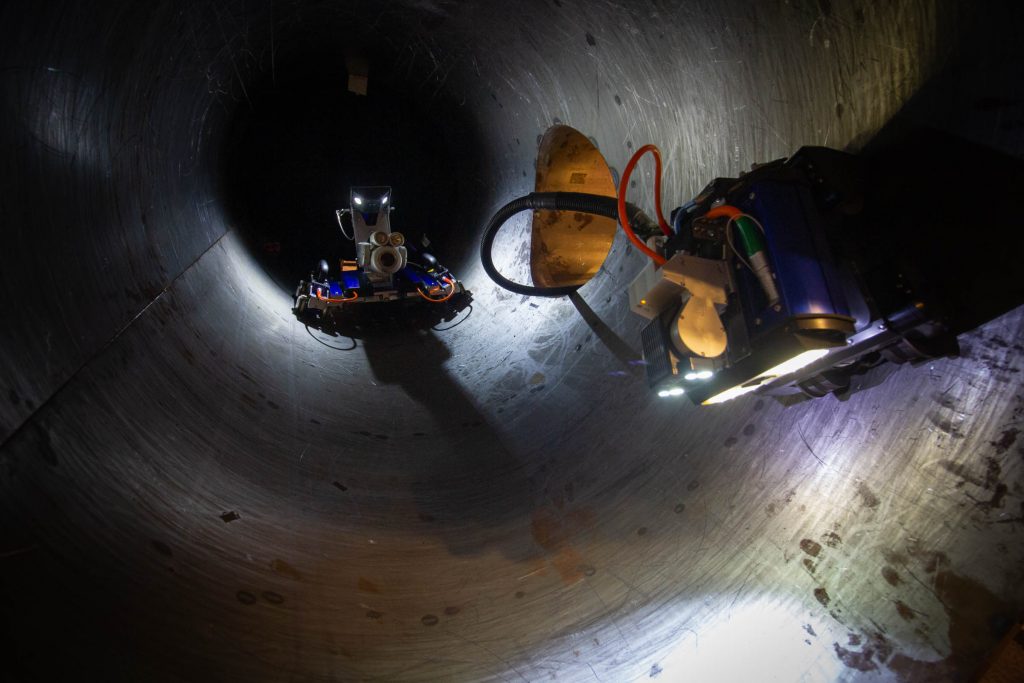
x=196, y=486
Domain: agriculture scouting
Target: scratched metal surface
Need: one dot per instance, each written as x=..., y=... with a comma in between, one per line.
x=194, y=486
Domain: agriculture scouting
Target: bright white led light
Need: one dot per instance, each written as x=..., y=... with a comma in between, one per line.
x=784, y=368
x=664, y=393
x=796, y=362
x=704, y=374
x=384, y=200
x=730, y=394
x=357, y=199
x=676, y=391
x=690, y=376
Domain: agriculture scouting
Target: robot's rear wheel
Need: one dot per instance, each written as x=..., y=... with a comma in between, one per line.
x=302, y=309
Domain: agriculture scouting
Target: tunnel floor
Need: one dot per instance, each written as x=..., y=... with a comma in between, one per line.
x=197, y=486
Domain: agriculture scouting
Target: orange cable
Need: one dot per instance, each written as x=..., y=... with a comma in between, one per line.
x=624, y=219
x=321, y=297
x=439, y=301
x=724, y=210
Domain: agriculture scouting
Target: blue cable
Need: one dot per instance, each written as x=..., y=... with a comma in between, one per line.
x=680, y=213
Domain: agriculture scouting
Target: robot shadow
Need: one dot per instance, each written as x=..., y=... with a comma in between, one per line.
x=404, y=349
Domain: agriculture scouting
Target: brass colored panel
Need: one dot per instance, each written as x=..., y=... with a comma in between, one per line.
x=568, y=247
x=700, y=329
x=825, y=322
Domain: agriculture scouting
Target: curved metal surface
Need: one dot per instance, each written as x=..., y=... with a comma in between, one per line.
x=194, y=486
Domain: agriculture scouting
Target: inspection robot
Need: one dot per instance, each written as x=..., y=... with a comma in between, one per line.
x=385, y=268
x=797, y=276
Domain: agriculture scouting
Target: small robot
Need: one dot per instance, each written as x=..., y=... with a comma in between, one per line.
x=385, y=267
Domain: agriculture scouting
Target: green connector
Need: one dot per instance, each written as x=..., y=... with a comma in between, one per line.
x=750, y=236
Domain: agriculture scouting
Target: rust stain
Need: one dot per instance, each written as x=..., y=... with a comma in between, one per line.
x=580, y=519
x=822, y=596
x=1008, y=438
x=961, y=471
x=867, y=496
x=286, y=570
x=934, y=561
x=547, y=529
x=552, y=530
x=861, y=661
x=569, y=565
x=810, y=547
x=904, y=610
x=976, y=616
x=972, y=610
x=874, y=647
x=890, y=576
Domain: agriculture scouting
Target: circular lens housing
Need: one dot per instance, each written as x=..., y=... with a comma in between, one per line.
x=397, y=239
x=379, y=238
x=387, y=260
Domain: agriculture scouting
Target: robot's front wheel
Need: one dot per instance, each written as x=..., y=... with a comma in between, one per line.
x=302, y=306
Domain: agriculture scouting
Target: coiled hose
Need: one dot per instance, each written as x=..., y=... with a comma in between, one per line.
x=554, y=201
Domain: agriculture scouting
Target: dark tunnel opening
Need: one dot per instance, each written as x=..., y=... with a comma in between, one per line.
x=300, y=138
x=195, y=485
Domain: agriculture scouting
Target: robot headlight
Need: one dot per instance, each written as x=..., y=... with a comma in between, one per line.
x=357, y=199
x=384, y=199
x=397, y=239
x=379, y=238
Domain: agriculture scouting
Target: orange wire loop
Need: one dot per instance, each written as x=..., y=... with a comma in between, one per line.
x=724, y=210
x=624, y=219
x=446, y=296
x=321, y=297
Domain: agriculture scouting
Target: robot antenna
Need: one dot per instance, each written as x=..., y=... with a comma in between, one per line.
x=338, y=213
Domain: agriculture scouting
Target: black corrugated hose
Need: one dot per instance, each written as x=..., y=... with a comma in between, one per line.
x=555, y=201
